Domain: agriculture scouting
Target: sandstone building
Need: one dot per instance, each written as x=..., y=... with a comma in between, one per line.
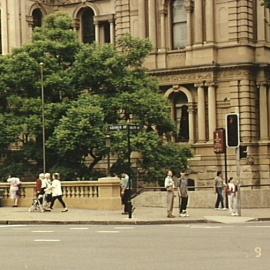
x=211, y=58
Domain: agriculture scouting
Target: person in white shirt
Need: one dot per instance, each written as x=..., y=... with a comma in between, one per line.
x=48, y=190
x=57, y=192
x=232, y=197
x=14, y=189
x=169, y=185
x=125, y=192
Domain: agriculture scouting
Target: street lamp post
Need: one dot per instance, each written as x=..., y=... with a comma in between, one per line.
x=129, y=179
x=108, y=145
x=41, y=65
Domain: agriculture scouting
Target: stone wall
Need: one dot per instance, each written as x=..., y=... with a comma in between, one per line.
x=103, y=194
x=259, y=198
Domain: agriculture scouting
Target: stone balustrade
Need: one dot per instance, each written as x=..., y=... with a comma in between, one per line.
x=103, y=194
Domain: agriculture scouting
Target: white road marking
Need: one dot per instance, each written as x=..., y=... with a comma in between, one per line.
x=205, y=227
x=107, y=231
x=11, y=226
x=42, y=231
x=176, y=225
x=258, y=226
x=82, y=228
x=47, y=240
x=124, y=228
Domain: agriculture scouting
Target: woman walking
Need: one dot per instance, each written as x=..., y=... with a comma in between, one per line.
x=57, y=192
x=14, y=189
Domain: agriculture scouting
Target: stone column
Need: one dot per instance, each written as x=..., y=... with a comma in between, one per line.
x=198, y=22
x=189, y=9
x=263, y=111
x=111, y=32
x=201, y=113
x=191, y=123
x=152, y=22
x=260, y=22
x=4, y=27
x=209, y=14
x=211, y=110
x=97, y=32
x=141, y=18
x=163, y=14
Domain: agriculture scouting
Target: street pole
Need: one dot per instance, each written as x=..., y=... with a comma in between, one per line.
x=238, y=179
x=108, y=145
x=226, y=176
x=129, y=178
x=43, y=116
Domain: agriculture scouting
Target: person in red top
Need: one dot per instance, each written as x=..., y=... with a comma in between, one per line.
x=39, y=187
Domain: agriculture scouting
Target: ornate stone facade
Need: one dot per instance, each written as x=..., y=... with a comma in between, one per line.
x=211, y=57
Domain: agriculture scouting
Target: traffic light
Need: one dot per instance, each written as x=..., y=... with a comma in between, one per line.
x=232, y=130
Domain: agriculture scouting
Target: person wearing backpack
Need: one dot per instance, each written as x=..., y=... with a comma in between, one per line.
x=232, y=197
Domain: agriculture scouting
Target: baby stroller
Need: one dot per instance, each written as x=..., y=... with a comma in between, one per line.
x=37, y=204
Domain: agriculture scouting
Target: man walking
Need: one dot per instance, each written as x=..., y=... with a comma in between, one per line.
x=169, y=185
x=183, y=194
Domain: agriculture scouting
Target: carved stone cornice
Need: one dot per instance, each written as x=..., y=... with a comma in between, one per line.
x=61, y=2
x=189, y=6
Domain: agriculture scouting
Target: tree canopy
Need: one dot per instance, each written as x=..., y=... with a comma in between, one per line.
x=87, y=88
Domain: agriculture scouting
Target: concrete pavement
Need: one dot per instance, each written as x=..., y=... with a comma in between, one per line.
x=141, y=215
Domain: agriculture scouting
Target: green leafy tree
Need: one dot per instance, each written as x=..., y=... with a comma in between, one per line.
x=87, y=88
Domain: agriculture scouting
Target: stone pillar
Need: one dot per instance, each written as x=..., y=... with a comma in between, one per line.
x=4, y=27
x=198, y=22
x=209, y=14
x=141, y=18
x=189, y=9
x=260, y=22
x=111, y=32
x=163, y=14
x=263, y=111
x=201, y=113
x=211, y=110
x=152, y=22
x=97, y=32
x=191, y=123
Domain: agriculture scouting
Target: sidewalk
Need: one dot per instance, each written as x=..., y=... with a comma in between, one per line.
x=141, y=215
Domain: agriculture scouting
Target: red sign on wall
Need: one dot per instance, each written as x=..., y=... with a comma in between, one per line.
x=219, y=141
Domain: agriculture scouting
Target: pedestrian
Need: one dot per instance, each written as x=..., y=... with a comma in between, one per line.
x=219, y=188
x=40, y=188
x=232, y=197
x=125, y=192
x=48, y=191
x=57, y=192
x=14, y=189
x=169, y=185
x=183, y=194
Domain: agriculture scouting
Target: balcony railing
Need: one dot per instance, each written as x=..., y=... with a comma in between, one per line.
x=103, y=194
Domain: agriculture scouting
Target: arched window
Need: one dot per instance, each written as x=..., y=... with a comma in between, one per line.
x=37, y=18
x=87, y=25
x=180, y=113
x=179, y=24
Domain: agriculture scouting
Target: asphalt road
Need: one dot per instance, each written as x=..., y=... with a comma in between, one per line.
x=164, y=247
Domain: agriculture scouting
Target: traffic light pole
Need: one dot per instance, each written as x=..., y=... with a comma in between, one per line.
x=226, y=175
x=237, y=149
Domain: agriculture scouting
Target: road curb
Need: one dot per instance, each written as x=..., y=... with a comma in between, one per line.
x=103, y=222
